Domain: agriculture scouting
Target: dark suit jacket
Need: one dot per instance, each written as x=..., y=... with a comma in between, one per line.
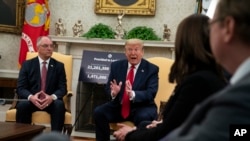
x=194, y=89
x=29, y=80
x=145, y=82
x=211, y=120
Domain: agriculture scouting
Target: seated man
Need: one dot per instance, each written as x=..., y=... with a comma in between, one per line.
x=140, y=91
x=42, y=81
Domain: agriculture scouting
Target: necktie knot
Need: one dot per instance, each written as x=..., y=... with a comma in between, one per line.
x=44, y=62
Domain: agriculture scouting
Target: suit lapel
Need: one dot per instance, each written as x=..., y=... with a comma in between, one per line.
x=139, y=74
x=37, y=72
x=123, y=74
x=124, y=70
x=51, y=67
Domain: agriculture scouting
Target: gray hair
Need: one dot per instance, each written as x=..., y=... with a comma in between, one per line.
x=38, y=41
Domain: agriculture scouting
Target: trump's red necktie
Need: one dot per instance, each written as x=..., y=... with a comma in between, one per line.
x=125, y=99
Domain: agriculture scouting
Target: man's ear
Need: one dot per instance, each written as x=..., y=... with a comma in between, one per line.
x=229, y=28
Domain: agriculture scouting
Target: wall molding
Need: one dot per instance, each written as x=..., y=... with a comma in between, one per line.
x=64, y=43
x=9, y=73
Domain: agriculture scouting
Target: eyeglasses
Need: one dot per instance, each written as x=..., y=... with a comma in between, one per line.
x=48, y=45
x=211, y=22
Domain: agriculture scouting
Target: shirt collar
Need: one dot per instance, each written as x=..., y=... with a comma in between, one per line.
x=136, y=66
x=241, y=71
x=41, y=60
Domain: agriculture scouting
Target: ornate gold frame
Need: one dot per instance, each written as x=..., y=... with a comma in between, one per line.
x=17, y=28
x=140, y=7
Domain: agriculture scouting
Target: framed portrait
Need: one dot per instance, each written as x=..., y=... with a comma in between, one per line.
x=129, y=7
x=11, y=15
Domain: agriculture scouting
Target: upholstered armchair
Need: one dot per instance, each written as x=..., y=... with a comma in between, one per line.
x=165, y=88
x=41, y=117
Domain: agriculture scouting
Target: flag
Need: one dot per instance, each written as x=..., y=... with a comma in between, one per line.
x=36, y=23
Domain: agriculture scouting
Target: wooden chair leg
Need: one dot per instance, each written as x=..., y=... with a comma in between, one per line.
x=67, y=129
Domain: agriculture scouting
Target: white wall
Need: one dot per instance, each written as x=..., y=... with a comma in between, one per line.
x=169, y=12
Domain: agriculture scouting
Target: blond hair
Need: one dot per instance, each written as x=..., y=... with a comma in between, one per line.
x=134, y=41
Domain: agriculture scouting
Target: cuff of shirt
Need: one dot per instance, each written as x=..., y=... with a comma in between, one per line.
x=29, y=96
x=113, y=97
x=54, y=97
x=133, y=96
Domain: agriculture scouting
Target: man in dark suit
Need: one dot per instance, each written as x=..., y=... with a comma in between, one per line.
x=29, y=86
x=141, y=92
x=230, y=44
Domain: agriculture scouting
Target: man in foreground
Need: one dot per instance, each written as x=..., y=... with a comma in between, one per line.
x=229, y=38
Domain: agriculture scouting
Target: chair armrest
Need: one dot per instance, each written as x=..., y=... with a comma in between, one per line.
x=67, y=101
x=13, y=105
